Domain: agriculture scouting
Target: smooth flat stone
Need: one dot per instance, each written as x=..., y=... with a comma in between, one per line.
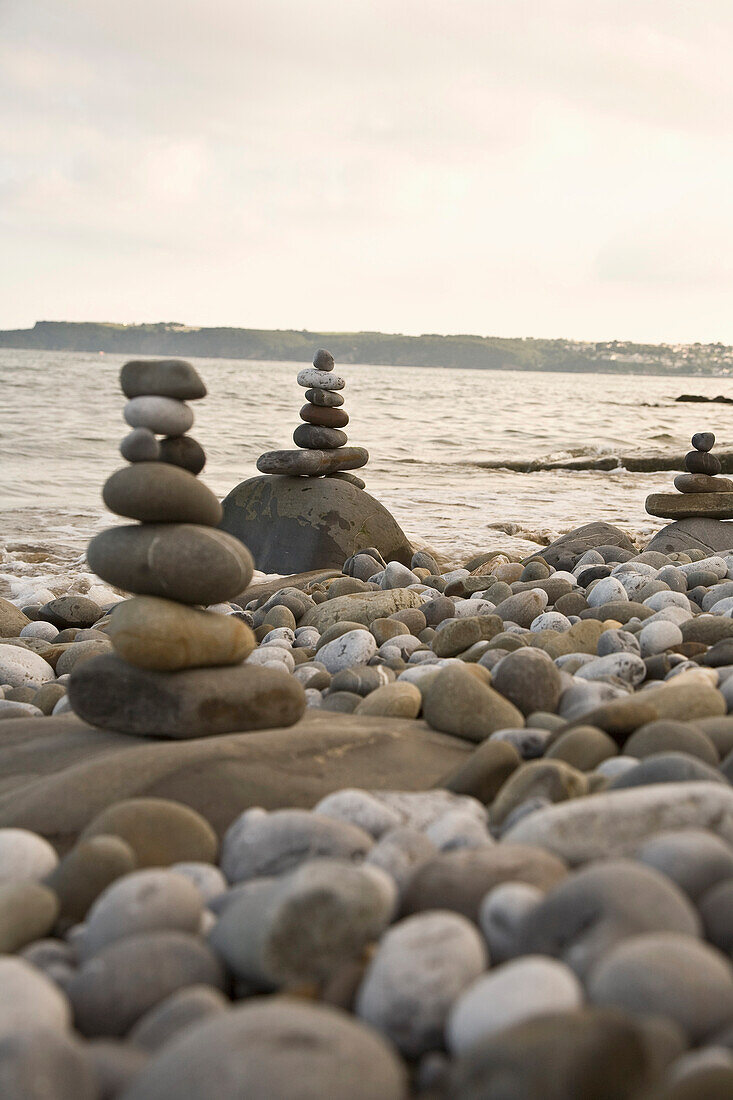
x=184, y=451
x=156, y=492
x=199, y=565
x=324, y=398
x=702, y=483
x=690, y=505
x=140, y=446
x=324, y=417
x=162, y=415
x=312, y=463
x=702, y=462
x=58, y=774
x=320, y=379
x=319, y=439
x=293, y=524
x=199, y=702
x=149, y=632
x=162, y=377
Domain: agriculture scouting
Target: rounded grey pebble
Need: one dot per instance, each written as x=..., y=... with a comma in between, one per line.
x=275, y=1049
x=258, y=843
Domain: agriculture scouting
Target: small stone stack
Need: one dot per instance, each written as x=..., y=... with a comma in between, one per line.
x=177, y=669
x=701, y=493
x=323, y=443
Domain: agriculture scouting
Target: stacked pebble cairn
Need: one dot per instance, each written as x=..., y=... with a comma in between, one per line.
x=701, y=493
x=323, y=443
x=160, y=679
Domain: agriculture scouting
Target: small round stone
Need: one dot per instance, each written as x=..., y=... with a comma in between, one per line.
x=422, y=964
x=702, y=462
x=140, y=446
x=159, y=831
x=324, y=417
x=671, y=975
x=703, y=441
x=258, y=843
x=30, y=999
x=319, y=439
x=517, y=991
x=271, y=1047
x=25, y=856
x=144, y=901
x=327, y=399
x=323, y=360
x=183, y=451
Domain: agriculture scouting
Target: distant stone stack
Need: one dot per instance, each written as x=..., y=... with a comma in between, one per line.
x=702, y=494
x=177, y=669
x=322, y=443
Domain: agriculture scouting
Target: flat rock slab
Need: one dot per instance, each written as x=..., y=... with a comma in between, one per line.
x=690, y=505
x=709, y=535
x=59, y=773
x=293, y=524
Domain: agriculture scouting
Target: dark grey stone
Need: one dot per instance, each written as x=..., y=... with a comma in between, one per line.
x=67, y=611
x=317, y=438
x=185, y=562
x=140, y=445
x=158, y=492
x=184, y=451
x=293, y=524
x=327, y=399
x=163, y=378
x=711, y=536
x=198, y=702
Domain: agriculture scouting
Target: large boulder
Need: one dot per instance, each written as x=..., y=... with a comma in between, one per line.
x=709, y=535
x=293, y=524
x=569, y=547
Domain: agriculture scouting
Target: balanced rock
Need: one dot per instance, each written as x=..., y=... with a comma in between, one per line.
x=293, y=524
x=162, y=377
x=158, y=492
x=312, y=462
x=702, y=483
x=687, y=505
x=185, y=562
x=161, y=634
x=197, y=702
x=319, y=438
x=328, y=399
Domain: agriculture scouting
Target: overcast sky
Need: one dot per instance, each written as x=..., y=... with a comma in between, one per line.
x=503, y=167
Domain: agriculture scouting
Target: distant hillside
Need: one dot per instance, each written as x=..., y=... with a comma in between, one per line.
x=476, y=352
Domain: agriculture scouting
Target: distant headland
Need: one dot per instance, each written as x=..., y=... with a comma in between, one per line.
x=473, y=352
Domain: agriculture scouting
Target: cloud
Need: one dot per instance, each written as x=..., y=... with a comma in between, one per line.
x=489, y=166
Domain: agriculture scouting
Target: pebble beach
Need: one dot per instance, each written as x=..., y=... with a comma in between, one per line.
x=448, y=824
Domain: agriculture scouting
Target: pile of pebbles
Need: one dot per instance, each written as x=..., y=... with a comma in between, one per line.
x=169, y=661
x=320, y=436
x=553, y=920
x=702, y=494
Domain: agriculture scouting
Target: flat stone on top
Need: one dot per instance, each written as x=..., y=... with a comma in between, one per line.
x=162, y=377
x=312, y=463
x=690, y=505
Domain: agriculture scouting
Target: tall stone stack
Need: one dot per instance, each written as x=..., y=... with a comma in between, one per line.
x=322, y=442
x=177, y=669
x=701, y=493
